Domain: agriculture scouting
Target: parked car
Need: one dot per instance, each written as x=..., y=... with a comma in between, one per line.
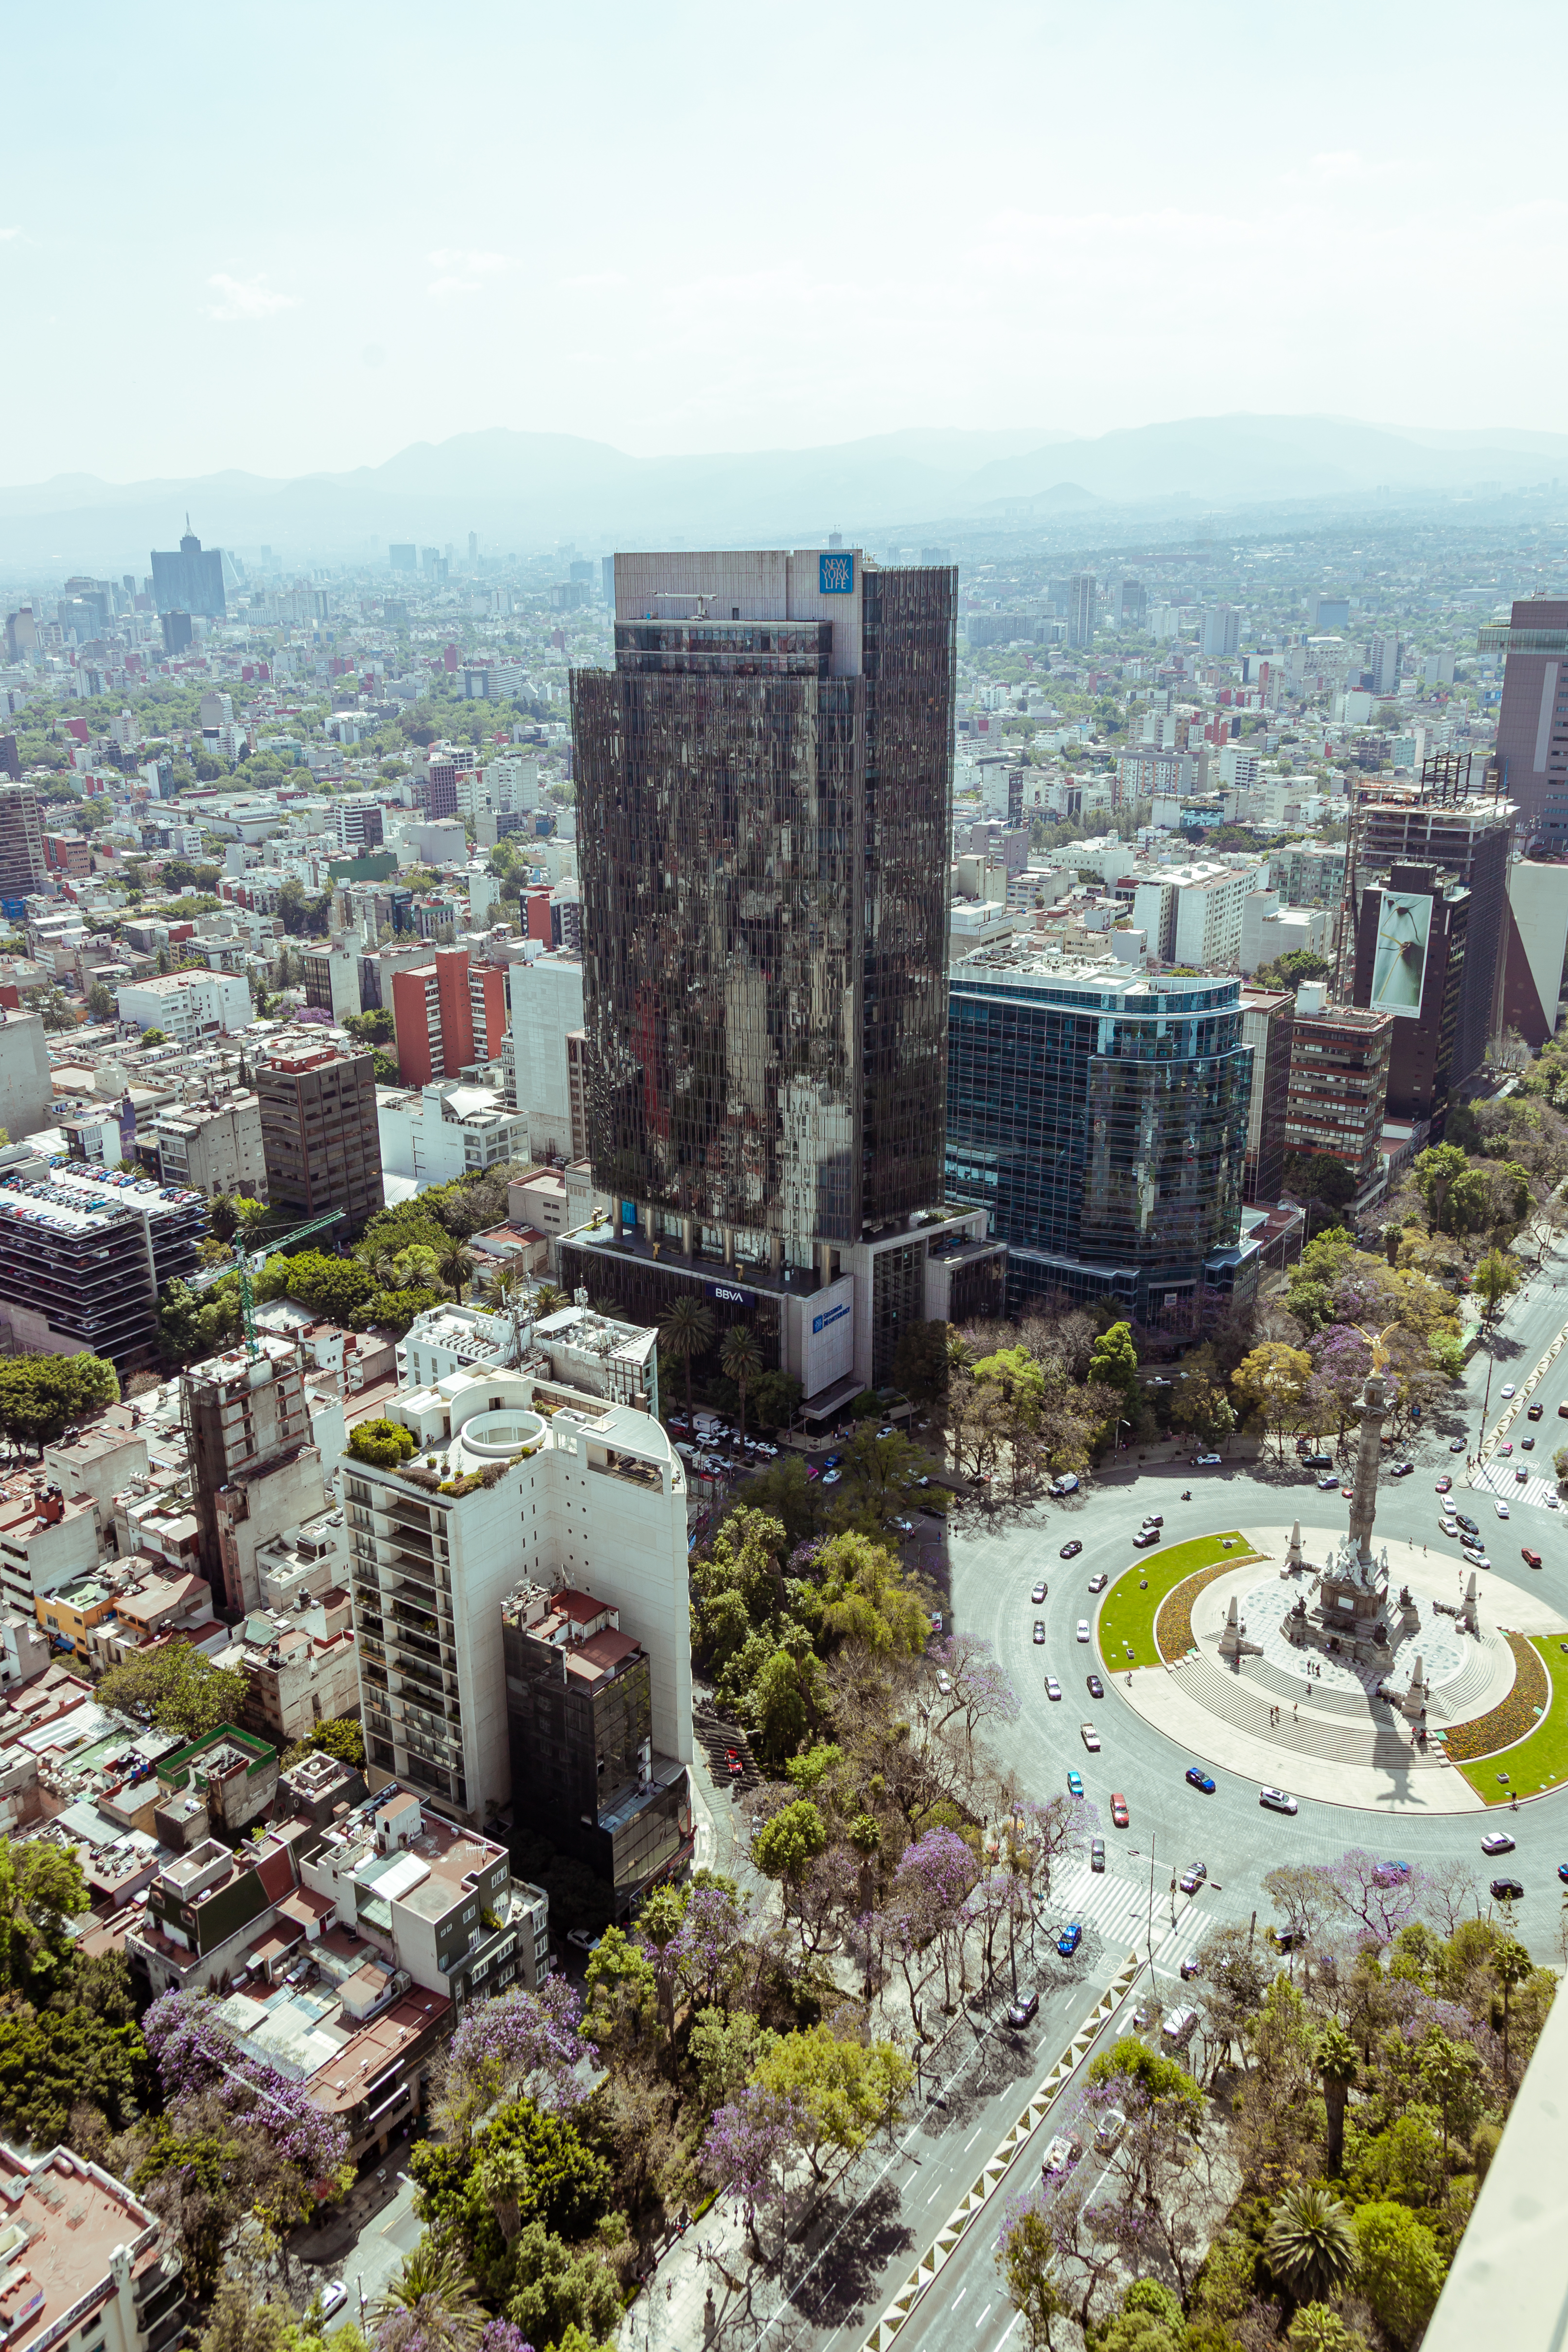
x=1096, y=1853
x=1276, y=1800
x=1144, y=1537
x=1083, y=1629
x=1179, y=2028
x=1198, y=1779
x=1064, y=2150
x=1090, y=1737
x=583, y=1939
x=1507, y=1890
x=1206, y=1461
x=1191, y=1880
x=1188, y=1969
x=1027, y=2005
x=1067, y=1943
x=1071, y=1550
x=1109, y=2128
x=1066, y=1485
x=1401, y=1469
x=1038, y=1595
x=1097, y=1583
x=1317, y=1461
x=1119, y=1814
x=905, y=1526
x=1497, y=1841
x=1096, y=1688
x=1039, y=1633
x=333, y=2298
x=945, y=1682
x=1328, y=1482
x=1075, y=1783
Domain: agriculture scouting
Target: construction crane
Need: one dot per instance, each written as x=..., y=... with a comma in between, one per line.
x=248, y=1262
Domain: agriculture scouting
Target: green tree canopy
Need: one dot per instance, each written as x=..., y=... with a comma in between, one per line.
x=178, y=1689
x=41, y=1395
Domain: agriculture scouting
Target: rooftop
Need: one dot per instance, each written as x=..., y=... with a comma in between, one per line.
x=63, y=2220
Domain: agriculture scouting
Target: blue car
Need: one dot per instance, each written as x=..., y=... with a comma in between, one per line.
x=1075, y=1784
x=1067, y=1943
x=1562, y=1872
x=1198, y=1779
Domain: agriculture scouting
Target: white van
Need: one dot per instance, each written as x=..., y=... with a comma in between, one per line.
x=1179, y=2028
x=1066, y=1485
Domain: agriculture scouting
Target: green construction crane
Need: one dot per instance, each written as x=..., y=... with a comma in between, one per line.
x=249, y=1262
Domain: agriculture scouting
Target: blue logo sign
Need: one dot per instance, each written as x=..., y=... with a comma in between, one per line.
x=820, y=1322
x=836, y=573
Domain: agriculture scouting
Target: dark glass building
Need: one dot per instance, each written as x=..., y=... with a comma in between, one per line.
x=580, y=1722
x=764, y=814
x=1101, y=1114
x=1416, y=926
x=189, y=579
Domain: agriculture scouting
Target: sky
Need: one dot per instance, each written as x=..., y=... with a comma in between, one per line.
x=303, y=238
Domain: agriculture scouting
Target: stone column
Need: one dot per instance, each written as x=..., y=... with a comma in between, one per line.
x=1363, y=1504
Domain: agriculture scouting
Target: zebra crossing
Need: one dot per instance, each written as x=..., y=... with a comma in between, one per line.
x=1118, y=1908
x=1497, y=1478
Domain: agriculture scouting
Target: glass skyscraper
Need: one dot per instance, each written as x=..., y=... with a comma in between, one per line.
x=1100, y=1114
x=764, y=815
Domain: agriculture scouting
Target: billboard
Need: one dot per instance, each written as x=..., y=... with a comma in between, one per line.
x=1399, y=960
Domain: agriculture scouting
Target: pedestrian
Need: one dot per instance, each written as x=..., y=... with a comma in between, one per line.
x=1293, y=1710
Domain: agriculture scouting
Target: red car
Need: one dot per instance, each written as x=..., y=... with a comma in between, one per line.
x=1531, y=1559
x=732, y=1758
x=1119, y=1811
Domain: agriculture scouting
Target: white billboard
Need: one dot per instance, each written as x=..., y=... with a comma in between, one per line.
x=1399, y=961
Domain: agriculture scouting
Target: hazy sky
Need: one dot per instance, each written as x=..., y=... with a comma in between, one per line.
x=306, y=235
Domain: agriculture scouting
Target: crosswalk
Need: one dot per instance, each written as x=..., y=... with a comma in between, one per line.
x=1118, y=1908
x=1497, y=1478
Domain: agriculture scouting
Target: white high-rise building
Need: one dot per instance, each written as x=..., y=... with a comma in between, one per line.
x=594, y=1497
x=546, y=997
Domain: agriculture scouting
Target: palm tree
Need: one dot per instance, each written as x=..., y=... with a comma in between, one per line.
x=548, y=1298
x=431, y=2303
x=740, y=1359
x=1512, y=1965
x=1310, y=2247
x=456, y=1265
x=687, y=1330
x=1337, y=2066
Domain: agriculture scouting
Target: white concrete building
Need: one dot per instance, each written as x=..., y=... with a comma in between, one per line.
x=451, y=1338
x=594, y=1497
x=545, y=995
x=1192, y=914
x=188, y=1006
x=437, y=1133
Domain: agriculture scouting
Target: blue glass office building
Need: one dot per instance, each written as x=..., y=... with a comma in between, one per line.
x=1100, y=1114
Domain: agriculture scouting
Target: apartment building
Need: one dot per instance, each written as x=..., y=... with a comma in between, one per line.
x=320, y=1136
x=544, y=1077
x=595, y=1496
x=213, y=1147
x=446, y=1130
x=83, y=1257
x=187, y=1005
x=1267, y=1018
x=21, y=842
x=299, y=1664
x=1339, y=1082
x=83, y=2261
x=256, y=1469
x=450, y=1017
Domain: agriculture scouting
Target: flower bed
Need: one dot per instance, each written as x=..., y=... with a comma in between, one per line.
x=1173, y=1626
x=1512, y=1716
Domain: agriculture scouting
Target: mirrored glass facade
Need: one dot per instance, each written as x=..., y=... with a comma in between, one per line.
x=1101, y=1119
x=763, y=814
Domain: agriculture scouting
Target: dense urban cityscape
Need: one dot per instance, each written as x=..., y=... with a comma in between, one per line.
x=699, y=1116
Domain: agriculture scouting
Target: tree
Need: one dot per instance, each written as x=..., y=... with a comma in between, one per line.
x=381, y=1443
x=177, y=1689
x=430, y=2304
x=153, y=1037
x=841, y=2089
x=1114, y=1362
x=785, y=1847
x=1323, y=1186
x=1337, y=2066
x=687, y=1331
x=740, y=1361
x=54, y=2062
x=342, y=1736
x=920, y=1361
x=1496, y=1277
x=1434, y=1175
x=1026, y=2256
x=1272, y=1382
x=335, y=1286
x=1310, y=2247
x=1511, y=1966
x=100, y=1003
x=1401, y=2268
x=41, y=1395
x=41, y=1888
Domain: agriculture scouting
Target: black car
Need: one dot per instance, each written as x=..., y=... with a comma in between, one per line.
x=1535, y=1413
x=1316, y=1460
x=1071, y=1550
x=1096, y=1688
x=1507, y=1890
x=1021, y=2010
x=1149, y=1535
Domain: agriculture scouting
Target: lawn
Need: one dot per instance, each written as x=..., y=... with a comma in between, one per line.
x=1128, y=1614
x=1541, y=1759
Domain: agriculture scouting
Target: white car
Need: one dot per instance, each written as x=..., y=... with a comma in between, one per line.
x=1063, y=2150
x=333, y=2298
x=1507, y=1388
x=1276, y=1800
x=1206, y=1461
x=1097, y=1583
x=1052, y=1688
x=1039, y=1631
x=1090, y=1737
x=1502, y=1510
x=1083, y=1625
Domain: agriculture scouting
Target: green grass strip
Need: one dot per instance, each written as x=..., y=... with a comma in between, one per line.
x=1540, y=1760
x=1127, y=1617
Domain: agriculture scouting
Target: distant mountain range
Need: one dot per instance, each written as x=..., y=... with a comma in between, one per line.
x=522, y=490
